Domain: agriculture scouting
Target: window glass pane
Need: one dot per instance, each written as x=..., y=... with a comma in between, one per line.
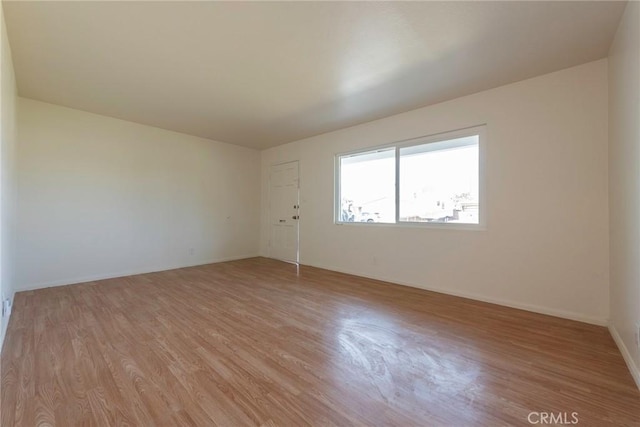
x=367, y=187
x=439, y=182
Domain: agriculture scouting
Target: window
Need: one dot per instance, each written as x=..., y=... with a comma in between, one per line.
x=426, y=180
x=367, y=187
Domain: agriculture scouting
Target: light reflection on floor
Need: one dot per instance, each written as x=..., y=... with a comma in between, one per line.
x=381, y=354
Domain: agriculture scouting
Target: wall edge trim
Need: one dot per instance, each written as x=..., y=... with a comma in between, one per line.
x=626, y=355
x=93, y=278
x=599, y=321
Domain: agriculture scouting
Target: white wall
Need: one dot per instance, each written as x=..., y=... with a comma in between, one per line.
x=7, y=170
x=100, y=197
x=624, y=184
x=546, y=155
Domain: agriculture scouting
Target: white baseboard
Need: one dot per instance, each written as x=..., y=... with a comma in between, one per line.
x=93, y=278
x=635, y=372
x=5, y=325
x=527, y=307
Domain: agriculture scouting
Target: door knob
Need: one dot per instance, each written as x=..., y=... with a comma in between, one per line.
x=296, y=217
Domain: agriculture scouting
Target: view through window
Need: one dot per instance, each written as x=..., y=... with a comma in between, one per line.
x=438, y=182
x=367, y=187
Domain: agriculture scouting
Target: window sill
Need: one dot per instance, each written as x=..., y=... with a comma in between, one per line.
x=425, y=225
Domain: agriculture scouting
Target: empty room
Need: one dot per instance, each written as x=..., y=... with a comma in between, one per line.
x=313, y=213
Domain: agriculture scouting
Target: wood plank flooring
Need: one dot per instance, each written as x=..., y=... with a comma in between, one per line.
x=259, y=342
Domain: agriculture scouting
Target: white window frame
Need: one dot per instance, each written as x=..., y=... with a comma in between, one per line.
x=479, y=130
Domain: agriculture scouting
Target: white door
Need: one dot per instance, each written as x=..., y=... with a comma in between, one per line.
x=283, y=212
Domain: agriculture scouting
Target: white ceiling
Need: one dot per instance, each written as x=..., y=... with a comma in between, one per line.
x=265, y=73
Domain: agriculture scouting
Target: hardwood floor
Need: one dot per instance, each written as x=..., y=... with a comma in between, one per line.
x=257, y=342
